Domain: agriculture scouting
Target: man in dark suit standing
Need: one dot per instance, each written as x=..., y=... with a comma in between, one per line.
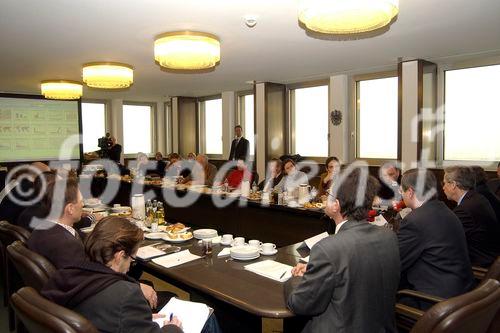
x=432, y=245
x=350, y=282
x=476, y=214
x=239, y=146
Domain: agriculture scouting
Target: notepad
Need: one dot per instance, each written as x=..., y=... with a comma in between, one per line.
x=271, y=269
x=192, y=315
x=310, y=242
x=176, y=259
x=148, y=252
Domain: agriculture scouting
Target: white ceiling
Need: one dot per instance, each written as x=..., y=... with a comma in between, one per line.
x=51, y=39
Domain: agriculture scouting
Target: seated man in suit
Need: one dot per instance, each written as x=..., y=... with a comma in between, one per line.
x=56, y=239
x=494, y=184
x=239, y=146
x=482, y=188
x=160, y=165
x=203, y=172
x=274, y=175
x=432, y=245
x=476, y=214
x=350, y=282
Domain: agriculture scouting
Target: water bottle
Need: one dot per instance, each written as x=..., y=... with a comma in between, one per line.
x=255, y=188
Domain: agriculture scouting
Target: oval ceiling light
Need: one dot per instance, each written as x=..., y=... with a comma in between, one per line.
x=108, y=75
x=347, y=16
x=61, y=89
x=187, y=50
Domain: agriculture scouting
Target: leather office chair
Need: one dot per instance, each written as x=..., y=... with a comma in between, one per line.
x=39, y=315
x=34, y=269
x=471, y=312
x=476, y=311
x=9, y=233
x=493, y=272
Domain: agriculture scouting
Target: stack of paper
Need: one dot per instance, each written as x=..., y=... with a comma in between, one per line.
x=271, y=269
x=313, y=240
x=191, y=314
x=176, y=259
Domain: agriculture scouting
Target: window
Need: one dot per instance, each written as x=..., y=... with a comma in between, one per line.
x=212, y=126
x=310, y=121
x=93, y=125
x=246, y=104
x=472, y=114
x=377, y=118
x=137, y=129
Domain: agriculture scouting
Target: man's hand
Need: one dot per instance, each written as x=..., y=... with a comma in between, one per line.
x=175, y=321
x=299, y=270
x=150, y=295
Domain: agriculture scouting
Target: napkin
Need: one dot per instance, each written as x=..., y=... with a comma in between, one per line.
x=225, y=252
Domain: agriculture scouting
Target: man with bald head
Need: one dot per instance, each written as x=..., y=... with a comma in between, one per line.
x=203, y=172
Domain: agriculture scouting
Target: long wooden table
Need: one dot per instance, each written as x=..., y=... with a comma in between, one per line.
x=273, y=223
x=240, y=298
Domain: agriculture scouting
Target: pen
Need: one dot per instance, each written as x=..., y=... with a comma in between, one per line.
x=171, y=316
x=282, y=275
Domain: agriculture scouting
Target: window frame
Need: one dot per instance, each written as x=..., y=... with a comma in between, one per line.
x=441, y=111
x=202, y=129
x=107, y=114
x=290, y=115
x=240, y=116
x=152, y=126
x=355, y=108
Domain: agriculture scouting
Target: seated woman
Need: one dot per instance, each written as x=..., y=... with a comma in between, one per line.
x=332, y=166
x=239, y=174
x=100, y=290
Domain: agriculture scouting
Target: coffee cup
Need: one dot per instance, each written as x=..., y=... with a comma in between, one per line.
x=238, y=241
x=227, y=238
x=255, y=243
x=268, y=247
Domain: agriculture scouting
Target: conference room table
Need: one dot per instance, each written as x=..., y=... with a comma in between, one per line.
x=240, y=298
x=277, y=224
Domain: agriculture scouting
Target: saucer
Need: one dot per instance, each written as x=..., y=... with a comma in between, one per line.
x=273, y=252
x=226, y=244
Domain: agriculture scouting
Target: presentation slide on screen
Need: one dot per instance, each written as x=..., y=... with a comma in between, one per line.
x=34, y=129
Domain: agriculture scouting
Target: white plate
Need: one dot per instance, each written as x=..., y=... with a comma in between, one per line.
x=205, y=233
x=245, y=259
x=176, y=240
x=121, y=209
x=273, y=252
x=226, y=244
x=155, y=235
x=244, y=251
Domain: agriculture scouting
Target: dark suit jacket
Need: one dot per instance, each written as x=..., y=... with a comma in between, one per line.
x=56, y=244
x=274, y=181
x=115, y=153
x=351, y=281
x=494, y=185
x=121, y=308
x=433, y=251
x=239, y=151
x=485, y=191
x=481, y=228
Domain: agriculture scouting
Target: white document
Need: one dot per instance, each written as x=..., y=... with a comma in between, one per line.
x=313, y=240
x=305, y=259
x=148, y=252
x=176, y=259
x=271, y=269
x=192, y=315
x=380, y=221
